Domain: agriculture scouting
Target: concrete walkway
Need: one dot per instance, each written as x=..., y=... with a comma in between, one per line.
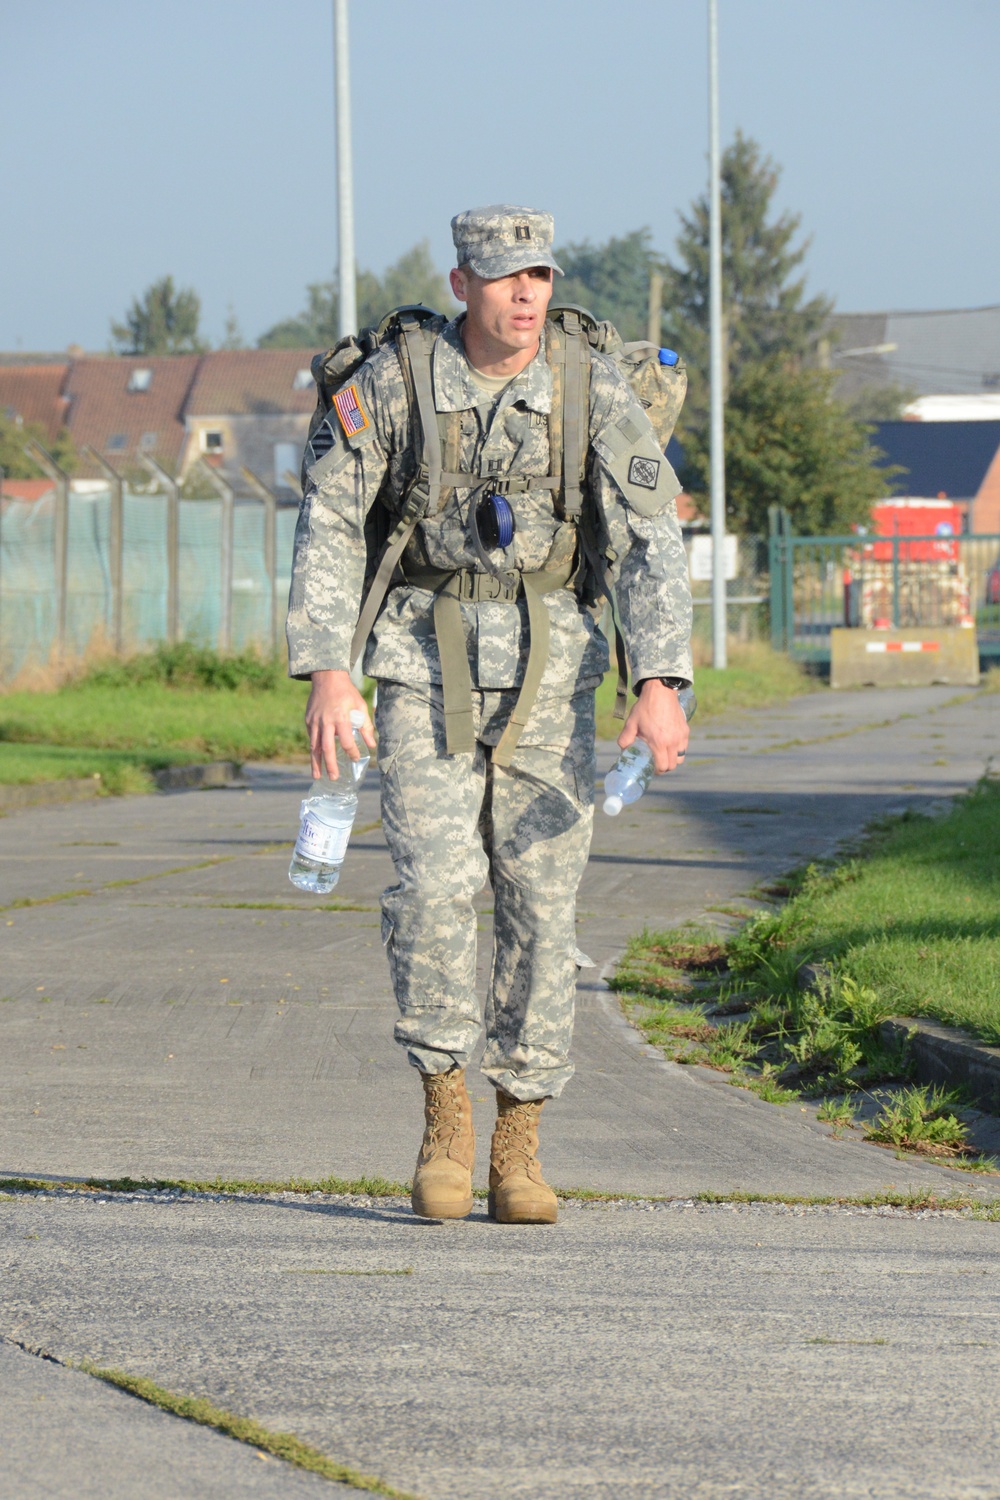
x=189, y=1014
x=172, y=1007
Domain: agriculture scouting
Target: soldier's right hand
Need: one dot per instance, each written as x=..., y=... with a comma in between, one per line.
x=328, y=719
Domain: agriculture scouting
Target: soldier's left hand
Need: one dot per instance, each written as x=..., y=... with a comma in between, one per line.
x=658, y=718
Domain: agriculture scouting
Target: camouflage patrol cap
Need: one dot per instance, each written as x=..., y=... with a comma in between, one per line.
x=502, y=239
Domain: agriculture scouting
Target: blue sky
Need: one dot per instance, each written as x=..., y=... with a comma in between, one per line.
x=196, y=137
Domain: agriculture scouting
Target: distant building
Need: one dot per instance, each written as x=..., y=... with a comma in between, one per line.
x=949, y=437
x=34, y=393
x=950, y=352
x=240, y=408
x=957, y=461
x=127, y=407
x=251, y=408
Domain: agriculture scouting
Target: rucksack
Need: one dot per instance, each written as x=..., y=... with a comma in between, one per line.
x=657, y=377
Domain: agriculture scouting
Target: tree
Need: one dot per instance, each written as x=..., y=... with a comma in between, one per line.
x=611, y=280
x=232, y=337
x=412, y=278
x=765, y=312
x=880, y=403
x=789, y=443
x=15, y=463
x=164, y=322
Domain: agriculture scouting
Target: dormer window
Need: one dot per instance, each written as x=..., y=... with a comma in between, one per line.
x=140, y=380
x=303, y=380
x=211, y=442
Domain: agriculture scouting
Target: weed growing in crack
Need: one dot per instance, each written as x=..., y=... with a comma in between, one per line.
x=840, y=1113
x=921, y=1119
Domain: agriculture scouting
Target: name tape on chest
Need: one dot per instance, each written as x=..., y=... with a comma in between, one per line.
x=347, y=405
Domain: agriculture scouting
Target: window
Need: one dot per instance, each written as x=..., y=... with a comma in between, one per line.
x=117, y=441
x=140, y=380
x=303, y=380
x=286, y=461
x=148, y=441
x=211, y=442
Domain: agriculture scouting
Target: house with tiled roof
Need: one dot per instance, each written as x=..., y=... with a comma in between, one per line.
x=33, y=393
x=129, y=406
x=250, y=408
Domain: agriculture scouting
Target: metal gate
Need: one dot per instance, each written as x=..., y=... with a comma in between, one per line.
x=818, y=582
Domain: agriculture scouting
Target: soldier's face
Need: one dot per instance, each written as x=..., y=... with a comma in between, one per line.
x=509, y=310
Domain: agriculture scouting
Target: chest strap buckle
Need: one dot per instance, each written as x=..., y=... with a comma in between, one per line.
x=477, y=588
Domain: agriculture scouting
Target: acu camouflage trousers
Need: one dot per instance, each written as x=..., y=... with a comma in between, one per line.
x=454, y=821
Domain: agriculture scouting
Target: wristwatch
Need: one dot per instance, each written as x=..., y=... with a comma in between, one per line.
x=671, y=682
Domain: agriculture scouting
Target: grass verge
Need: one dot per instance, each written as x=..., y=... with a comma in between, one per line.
x=283, y=1445
x=791, y=1005
x=119, y=771
x=755, y=678
x=912, y=1200
x=124, y=719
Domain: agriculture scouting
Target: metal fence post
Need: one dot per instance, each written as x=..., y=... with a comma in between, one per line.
x=60, y=534
x=171, y=489
x=261, y=490
x=225, y=492
x=777, y=583
x=116, y=543
x=895, y=580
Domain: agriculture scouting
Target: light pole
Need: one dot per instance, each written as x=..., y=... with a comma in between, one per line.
x=347, y=301
x=717, y=392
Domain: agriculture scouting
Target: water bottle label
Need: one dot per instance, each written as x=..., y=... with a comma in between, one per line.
x=327, y=846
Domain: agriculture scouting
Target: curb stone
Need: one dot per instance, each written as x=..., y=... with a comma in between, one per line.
x=945, y=1055
x=221, y=773
x=36, y=793
x=218, y=773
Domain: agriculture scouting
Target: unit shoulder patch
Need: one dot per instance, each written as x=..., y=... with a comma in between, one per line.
x=643, y=472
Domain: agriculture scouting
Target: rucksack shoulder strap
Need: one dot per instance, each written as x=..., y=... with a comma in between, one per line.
x=415, y=330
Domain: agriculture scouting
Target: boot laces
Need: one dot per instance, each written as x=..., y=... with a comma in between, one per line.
x=444, y=1115
x=512, y=1141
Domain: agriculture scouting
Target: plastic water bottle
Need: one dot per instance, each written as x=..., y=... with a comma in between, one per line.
x=634, y=769
x=327, y=818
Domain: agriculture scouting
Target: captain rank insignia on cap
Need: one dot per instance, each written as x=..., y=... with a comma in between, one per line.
x=347, y=405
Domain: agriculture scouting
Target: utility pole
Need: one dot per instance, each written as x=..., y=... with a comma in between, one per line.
x=717, y=429
x=654, y=317
x=347, y=300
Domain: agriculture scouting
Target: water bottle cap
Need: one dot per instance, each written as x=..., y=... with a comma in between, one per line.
x=668, y=357
x=613, y=805
x=358, y=717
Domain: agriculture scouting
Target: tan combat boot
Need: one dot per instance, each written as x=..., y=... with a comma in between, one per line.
x=442, y=1183
x=518, y=1192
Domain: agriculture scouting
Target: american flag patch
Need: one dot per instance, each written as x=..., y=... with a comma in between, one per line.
x=348, y=408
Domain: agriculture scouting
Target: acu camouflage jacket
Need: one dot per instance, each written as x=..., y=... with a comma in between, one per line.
x=628, y=480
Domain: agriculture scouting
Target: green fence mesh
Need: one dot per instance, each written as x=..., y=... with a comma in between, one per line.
x=28, y=576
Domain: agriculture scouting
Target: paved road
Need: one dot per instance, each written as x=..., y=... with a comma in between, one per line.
x=173, y=1007
x=689, y=1353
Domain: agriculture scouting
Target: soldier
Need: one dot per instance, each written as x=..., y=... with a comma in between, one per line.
x=487, y=653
